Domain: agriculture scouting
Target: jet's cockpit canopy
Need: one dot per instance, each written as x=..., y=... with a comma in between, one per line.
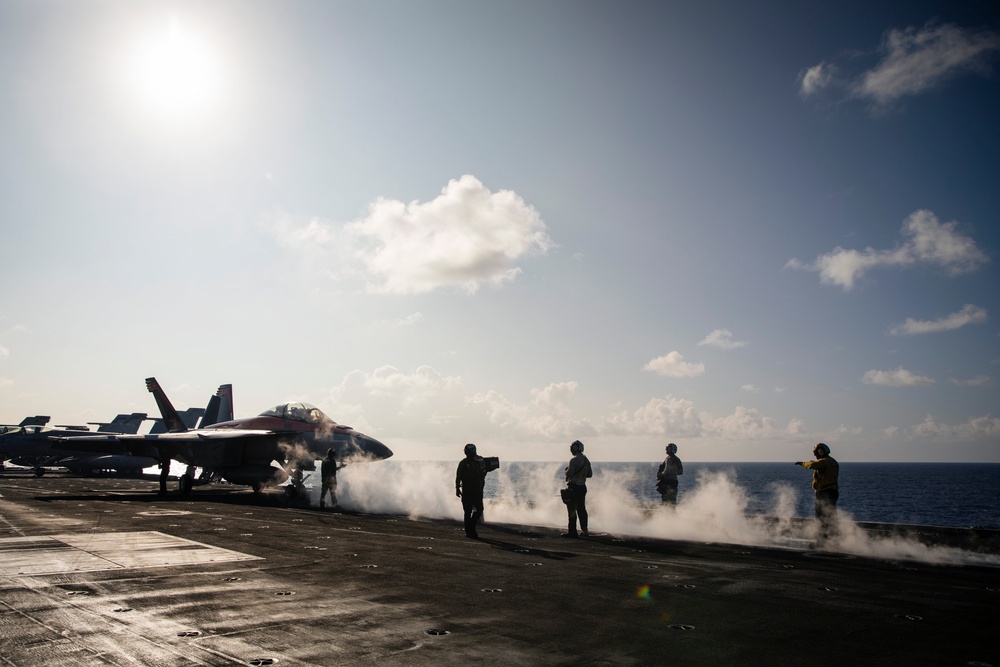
x=299, y=412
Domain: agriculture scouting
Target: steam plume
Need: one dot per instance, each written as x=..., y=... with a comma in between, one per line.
x=714, y=510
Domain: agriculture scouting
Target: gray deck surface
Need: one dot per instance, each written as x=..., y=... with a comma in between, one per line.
x=102, y=571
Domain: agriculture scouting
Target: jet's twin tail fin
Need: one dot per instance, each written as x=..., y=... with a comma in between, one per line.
x=225, y=395
x=171, y=419
x=211, y=415
x=220, y=407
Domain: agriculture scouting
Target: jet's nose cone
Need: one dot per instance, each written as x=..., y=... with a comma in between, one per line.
x=371, y=448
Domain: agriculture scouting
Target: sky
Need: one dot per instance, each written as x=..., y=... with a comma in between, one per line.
x=741, y=227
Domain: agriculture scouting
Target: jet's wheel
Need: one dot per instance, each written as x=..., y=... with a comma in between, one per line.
x=39, y=471
x=185, y=483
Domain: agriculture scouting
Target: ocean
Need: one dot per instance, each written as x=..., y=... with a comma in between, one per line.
x=938, y=494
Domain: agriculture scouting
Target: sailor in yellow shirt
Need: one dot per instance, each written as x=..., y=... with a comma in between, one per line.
x=826, y=473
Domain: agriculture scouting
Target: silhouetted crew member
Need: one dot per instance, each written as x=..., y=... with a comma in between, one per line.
x=328, y=471
x=470, y=478
x=666, y=476
x=826, y=472
x=577, y=473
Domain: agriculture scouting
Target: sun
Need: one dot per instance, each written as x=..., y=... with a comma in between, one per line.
x=177, y=75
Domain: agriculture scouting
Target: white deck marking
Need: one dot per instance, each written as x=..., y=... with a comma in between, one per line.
x=84, y=552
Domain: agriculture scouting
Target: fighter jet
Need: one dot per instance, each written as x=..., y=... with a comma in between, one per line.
x=37, y=420
x=242, y=451
x=32, y=444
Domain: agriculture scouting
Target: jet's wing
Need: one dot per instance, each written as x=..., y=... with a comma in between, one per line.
x=100, y=444
x=203, y=435
x=190, y=447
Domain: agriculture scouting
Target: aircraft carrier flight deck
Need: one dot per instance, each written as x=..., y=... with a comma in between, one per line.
x=103, y=571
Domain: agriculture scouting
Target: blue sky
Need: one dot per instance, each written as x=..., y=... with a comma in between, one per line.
x=741, y=229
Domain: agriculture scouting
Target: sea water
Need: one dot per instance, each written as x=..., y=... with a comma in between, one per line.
x=938, y=494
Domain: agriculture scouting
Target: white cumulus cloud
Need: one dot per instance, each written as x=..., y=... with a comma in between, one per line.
x=677, y=417
x=673, y=365
x=426, y=405
x=815, y=79
x=976, y=427
x=925, y=241
x=919, y=59
x=743, y=423
x=548, y=415
x=896, y=378
x=911, y=61
x=466, y=237
x=969, y=314
x=389, y=397
x=723, y=339
x=659, y=416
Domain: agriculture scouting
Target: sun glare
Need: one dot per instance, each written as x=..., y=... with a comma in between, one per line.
x=177, y=74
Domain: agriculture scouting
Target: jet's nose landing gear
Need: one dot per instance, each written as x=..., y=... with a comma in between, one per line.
x=296, y=489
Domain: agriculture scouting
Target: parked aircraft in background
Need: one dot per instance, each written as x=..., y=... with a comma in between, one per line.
x=32, y=445
x=121, y=424
x=37, y=420
x=190, y=418
x=241, y=451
